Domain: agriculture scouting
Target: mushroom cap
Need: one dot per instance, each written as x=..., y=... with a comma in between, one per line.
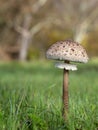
x=67, y=50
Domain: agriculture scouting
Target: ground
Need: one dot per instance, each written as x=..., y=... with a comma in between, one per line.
x=31, y=97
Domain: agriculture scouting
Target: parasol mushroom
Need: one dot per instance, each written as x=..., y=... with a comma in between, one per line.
x=67, y=51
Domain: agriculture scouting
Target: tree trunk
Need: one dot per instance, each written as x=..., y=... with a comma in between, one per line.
x=25, y=39
x=81, y=32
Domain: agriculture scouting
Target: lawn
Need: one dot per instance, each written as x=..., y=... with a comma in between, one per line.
x=31, y=97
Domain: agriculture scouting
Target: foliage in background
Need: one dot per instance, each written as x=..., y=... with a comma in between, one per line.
x=39, y=23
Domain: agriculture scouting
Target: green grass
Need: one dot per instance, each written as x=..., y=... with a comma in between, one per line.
x=31, y=97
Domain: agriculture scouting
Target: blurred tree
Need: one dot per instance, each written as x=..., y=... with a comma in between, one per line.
x=23, y=22
x=88, y=18
x=79, y=15
x=26, y=32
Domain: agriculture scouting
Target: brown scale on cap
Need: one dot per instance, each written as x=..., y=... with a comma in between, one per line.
x=67, y=50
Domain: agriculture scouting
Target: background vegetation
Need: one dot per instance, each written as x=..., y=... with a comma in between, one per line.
x=28, y=28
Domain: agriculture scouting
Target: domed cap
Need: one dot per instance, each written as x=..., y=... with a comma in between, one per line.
x=67, y=50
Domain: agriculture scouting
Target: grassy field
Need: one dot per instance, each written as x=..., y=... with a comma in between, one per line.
x=31, y=97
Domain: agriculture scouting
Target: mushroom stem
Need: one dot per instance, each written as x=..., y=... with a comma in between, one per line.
x=65, y=93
